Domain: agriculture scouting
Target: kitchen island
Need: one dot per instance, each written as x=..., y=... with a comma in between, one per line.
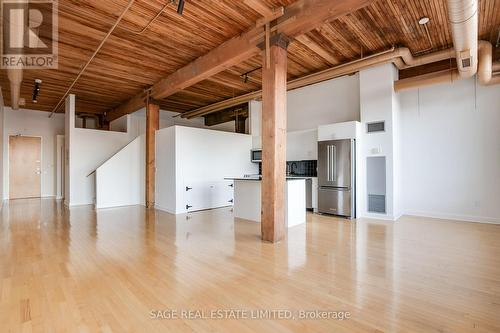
x=247, y=199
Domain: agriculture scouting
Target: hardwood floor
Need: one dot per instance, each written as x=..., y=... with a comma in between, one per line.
x=82, y=271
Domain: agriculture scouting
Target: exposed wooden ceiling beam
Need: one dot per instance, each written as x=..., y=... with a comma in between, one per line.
x=318, y=49
x=327, y=74
x=259, y=7
x=298, y=18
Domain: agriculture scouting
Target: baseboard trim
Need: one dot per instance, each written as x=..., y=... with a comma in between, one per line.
x=459, y=218
x=378, y=217
x=119, y=206
x=165, y=209
x=71, y=205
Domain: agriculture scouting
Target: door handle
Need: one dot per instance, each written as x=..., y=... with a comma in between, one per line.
x=188, y=188
x=187, y=207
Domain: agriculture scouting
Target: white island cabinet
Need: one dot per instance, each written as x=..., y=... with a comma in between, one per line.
x=247, y=200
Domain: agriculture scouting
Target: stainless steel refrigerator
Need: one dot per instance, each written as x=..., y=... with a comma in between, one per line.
x=337, y=177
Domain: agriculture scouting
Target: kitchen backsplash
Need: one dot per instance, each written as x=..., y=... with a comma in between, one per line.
x=300, y=168
x=303, y=168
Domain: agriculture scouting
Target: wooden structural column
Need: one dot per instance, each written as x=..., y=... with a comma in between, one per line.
x=273, y=224
x=152, y=125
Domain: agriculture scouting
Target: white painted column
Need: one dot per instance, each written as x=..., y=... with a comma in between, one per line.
x=69, y=127
x=379, y=102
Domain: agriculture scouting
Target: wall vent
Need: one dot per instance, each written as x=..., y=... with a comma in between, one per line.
x=376, y=203
x=378, y=126
x=466, y=63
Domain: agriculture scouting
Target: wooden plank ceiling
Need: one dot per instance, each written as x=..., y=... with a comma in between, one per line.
x=130, y=62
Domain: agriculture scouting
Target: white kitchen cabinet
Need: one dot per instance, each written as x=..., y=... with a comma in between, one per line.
x=208, y=195
x=315, y=193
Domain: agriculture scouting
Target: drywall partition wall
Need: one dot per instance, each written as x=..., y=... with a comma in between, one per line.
x=120, y=180
x=60, y=162
x=87, y=149
x=33, y=123
x=378, y=102
x=121, y=124
x=194, y=156
x=396, y=153
x=450, y=151
x=166, y=166
x=224, y=127
x=69, y=121
x=209, y=156
x=135, y=123
x=327, y=102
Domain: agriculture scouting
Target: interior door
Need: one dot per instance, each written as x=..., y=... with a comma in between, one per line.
x=24, y=167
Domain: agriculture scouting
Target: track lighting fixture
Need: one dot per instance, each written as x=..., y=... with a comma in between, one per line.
x=246, y=76
x=180, y=7
x=36, y=90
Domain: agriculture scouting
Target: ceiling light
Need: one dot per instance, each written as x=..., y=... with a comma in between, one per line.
x=180, y=7
x=424, y=20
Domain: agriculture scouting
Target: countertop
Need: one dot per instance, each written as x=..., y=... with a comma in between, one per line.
x=260, y=178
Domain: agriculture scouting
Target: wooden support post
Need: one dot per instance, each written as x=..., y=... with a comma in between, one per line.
x=152, y=125
x=273, y=224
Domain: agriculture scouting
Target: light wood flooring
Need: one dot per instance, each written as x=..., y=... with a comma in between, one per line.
x=80, y=270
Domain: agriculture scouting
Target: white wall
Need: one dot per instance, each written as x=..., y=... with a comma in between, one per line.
x=120, y=181
x=450, y=151
x=302, y=145
x=166, y=166
x=87, y=149
x=136, y=122
x=120, y=124
x=60, y=163
x=69, y=121
x=327, y=102
x=33, y=123
x=201, y=155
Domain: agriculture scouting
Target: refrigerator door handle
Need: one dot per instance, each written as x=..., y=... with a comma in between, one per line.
x=334, y=168
x=328, y=163
x=331, y=163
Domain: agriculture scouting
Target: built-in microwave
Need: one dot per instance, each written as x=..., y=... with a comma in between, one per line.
x=256, y=155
